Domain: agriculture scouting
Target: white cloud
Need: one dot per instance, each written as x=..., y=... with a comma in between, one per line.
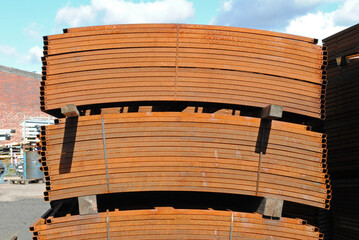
x=34, y=55
x=348, y=13
x=227, y=5
x=8, y=51
x=75, y=16
x=323, y=24
x=26, y=61
x=312, y=18
x=318, y=25
x=122, y=11
x=262, y=14
x=311, y=3
x=34, y=30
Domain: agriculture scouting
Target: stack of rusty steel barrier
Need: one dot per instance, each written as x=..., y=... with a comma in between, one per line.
x=150, y=152
x=343, y=130
x=169, y=223
x=176, y=108
x=165, y=62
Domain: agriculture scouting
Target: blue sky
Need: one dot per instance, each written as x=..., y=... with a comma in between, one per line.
x=24, y=22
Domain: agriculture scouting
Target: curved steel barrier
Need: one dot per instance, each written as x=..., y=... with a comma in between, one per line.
x=180, y=68
x=176, y=151
x=169, y=223
x=192, y=63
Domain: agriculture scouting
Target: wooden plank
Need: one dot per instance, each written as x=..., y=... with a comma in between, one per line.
x=87, y=205
x=70, y=110
x=271, y=207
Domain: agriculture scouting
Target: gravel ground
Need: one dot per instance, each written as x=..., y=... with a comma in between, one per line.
x=20, y=206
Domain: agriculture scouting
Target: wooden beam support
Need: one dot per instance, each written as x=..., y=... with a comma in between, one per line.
x=272, y=112
x=271, y=207
x=343, y=60
x=70, y=110
x=87, y=205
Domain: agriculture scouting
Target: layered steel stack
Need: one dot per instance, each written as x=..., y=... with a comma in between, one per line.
x=107, y=65
x=343, y=131
x=169, y=223
x=177, y=108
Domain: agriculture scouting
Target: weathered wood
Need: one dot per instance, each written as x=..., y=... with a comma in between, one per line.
x=272, y=112
x=70, y=110
x=271, y=207
x=87, y=205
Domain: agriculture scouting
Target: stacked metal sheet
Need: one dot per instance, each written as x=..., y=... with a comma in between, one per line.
x=169, y=62
x=169, y=223
x=150, y=152
x=343, y=131
x=193, y=81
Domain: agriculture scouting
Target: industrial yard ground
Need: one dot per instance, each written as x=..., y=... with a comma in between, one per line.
x=20, y=206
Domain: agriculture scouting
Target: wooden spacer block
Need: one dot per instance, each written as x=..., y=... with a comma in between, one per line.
x=271, y=207
x=338, y=60
x=189, y=109
x=87, y=205
x=70, y=110
x=272, y=112
x=342, y=60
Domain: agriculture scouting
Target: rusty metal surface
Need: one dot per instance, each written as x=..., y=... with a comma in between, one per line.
x=196, y=144
x=169, y=223
x=343, y=131
x=184, y=152
x=343, y=43
x=170, y=62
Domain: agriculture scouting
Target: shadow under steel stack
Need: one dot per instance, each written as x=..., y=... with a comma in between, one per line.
x=170, y=135
x=343, y=130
